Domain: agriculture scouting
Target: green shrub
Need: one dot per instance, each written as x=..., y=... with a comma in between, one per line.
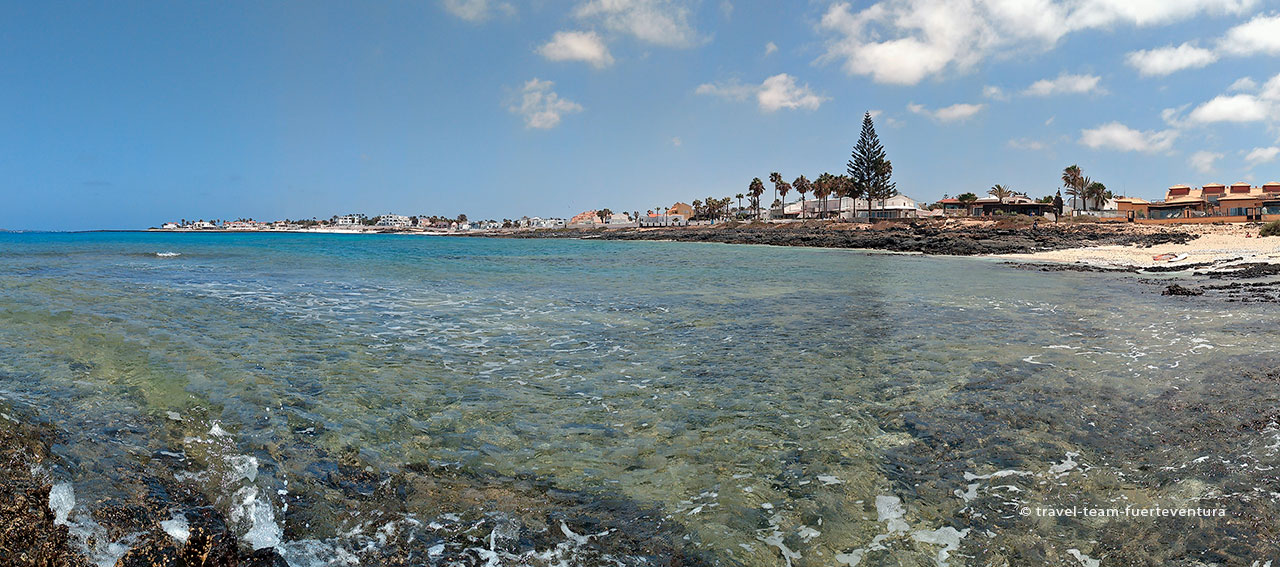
x=1272, y=229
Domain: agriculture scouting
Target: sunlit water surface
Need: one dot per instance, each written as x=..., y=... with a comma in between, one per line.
x=778, y=406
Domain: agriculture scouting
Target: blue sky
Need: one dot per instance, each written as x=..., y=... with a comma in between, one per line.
x=126, y=115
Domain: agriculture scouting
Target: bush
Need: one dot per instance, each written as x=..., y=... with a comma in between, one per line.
x=1272, y=229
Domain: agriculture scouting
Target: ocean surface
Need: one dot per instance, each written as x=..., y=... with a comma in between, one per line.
x=360, y=400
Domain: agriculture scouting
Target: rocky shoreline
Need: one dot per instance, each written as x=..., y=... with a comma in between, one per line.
x=518, y=519
x=967, y=239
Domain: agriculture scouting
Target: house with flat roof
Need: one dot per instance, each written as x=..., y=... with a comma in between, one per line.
x=349, y=221
x=1238, y=201
x=394, y=221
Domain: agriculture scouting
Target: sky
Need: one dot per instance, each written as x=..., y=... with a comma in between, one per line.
x=122, y=115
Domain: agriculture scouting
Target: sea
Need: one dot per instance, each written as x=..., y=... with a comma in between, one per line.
x=426, y=400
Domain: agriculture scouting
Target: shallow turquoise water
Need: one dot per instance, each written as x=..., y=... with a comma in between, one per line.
x=782, y=405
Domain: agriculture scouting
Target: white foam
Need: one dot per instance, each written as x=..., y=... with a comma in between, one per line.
x=168, y=254
x=948, y=537
x=249, y=508
x=997, y=474
x=177, y=528
x=1065, y=466
x=889, y=510
x=1084, y=560
x=62, y=498
x=217, y=431
x=243, y=466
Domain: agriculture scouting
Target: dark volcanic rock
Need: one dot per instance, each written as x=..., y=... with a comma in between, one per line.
x=1175, y=289
x=28, y=535
x=928, y=238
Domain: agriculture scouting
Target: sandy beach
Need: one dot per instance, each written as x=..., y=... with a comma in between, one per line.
x=1217, y=245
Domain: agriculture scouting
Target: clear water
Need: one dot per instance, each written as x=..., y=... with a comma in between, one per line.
x=776, y=405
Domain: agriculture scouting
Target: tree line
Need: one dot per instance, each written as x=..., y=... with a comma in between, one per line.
x=868, y=175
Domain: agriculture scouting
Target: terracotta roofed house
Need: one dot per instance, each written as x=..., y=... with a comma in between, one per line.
x=683, y=209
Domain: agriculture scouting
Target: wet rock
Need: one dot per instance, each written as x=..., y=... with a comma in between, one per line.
x=926, y=237
x=156, y=549
x=28, y=535
x=210, y=544
x=266, y=557
x=1176, y=289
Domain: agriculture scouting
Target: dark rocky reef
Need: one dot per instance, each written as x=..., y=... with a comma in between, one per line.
x=924, y=237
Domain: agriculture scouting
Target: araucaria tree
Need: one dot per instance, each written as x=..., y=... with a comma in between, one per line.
x=869, y=170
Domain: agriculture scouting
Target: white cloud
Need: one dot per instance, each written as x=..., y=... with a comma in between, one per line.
x=1117, y=136
x=1259, y=35
x=676, y=141
x=1027, y=144
x=770, y=48
x=775, y=93
x=1231, y=108
x=1167, y=60
x=731, y=90
x=994, y=93
x=1243, y=84
x=540, y=106
x=1262, y=155
x=1203, y=161
x=477, y=10
x=947, y=114
x=1065, y=84
x=904, y=41
x=577, y=46
x=661, y=22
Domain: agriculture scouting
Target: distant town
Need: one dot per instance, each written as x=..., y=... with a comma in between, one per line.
x=1182, y=204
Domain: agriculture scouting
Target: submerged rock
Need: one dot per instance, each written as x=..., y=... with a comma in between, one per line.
x=1176, y=289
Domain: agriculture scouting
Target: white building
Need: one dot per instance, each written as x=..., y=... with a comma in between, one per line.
x=240, y=225
x=349, y=221
x=394, y=221
x=896, y=207
x=663, y=220
x=619, y=220
x=171, y=226
x=203, y=225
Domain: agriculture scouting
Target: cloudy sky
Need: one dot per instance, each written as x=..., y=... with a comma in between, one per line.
x=125, y=115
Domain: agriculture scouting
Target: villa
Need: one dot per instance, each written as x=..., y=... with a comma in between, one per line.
x=585, y=218
x=896, y=207
x=394, y=221
x=683, y=209
x=349, y=221
x=1238, y=202
x=653, y=220
x=240, y=225
x=1015, y=205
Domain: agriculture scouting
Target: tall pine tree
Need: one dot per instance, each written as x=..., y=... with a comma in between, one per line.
x=871, y=173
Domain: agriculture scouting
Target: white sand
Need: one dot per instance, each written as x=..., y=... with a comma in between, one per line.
x=1217, y=243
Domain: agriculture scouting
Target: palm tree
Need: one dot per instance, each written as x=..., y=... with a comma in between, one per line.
x=1072, y=181
x=775, y=178
x=756, y=189
x=822, y=188
x=1079, y=191
x=739, y=196
x=783, y=189
x=1001, y=192
x=1096, y=192
x=802, y=186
